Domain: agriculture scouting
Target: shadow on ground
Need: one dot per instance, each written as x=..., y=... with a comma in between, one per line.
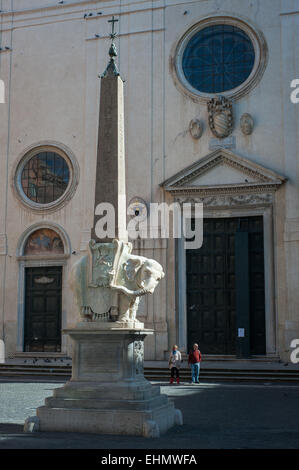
x=216, y=416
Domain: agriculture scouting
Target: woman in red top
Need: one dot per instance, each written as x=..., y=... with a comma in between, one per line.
x=194, y=360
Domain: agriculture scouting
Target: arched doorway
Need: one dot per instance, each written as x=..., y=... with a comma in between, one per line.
x=43, y=252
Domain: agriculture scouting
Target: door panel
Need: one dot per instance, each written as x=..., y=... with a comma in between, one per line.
x=43, y=309
x=211, y=295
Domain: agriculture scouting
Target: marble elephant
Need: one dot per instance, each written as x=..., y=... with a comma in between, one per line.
x=139, y=276
x=130, y=278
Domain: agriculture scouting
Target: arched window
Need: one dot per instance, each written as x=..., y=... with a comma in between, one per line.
x=43, y=242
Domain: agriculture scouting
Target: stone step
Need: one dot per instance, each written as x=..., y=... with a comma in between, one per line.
x=226, y=376
x=140, y=390
x=35, y=374
x=222, y=376
x=221, y=371
x=34, y=371
x=153, y=373
x=34, y=366
x=105, y=404
x=67, y=368
x=213, y=378
x=229, y=358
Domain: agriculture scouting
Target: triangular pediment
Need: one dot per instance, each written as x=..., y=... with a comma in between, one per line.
x=223, y=168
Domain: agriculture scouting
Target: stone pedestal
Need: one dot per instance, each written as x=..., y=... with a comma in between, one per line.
x=107, y=393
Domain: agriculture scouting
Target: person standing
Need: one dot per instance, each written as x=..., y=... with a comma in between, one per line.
x=175, y=360
x=194, y=360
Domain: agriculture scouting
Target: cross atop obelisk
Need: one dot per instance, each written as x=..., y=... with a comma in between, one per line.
x=112, y=67
x=110, y=171
x=113, y=34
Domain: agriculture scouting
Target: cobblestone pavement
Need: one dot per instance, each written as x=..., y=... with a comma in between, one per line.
x=216, y=416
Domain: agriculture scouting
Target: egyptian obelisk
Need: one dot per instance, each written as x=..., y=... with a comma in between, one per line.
x=110, y=171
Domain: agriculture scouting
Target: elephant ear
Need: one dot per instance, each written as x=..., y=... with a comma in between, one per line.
x=131, y=268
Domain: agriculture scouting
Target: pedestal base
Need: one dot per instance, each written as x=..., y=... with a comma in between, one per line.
x=107, y=393
x=141, y=417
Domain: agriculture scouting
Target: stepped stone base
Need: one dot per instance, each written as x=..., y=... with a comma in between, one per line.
x=107, y=393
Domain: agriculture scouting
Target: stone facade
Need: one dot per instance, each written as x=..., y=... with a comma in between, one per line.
x=50, y=70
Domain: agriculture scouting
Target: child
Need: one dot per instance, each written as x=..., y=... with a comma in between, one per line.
x=175, y=360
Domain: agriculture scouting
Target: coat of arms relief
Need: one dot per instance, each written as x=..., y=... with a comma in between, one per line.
x=220, y=116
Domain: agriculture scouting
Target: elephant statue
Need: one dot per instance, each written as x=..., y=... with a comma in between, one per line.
x=109, y=281
x=140, y=276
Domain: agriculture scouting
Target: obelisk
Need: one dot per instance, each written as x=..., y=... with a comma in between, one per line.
x=110, y=170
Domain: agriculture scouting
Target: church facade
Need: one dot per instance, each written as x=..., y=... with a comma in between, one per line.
x=211, y=117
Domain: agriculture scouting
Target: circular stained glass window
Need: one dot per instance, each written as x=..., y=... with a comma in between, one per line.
x=45, y=177
x=218, y=58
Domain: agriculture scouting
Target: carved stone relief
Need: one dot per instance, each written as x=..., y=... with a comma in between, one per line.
x=246, y=124
x=195, y=128
x=220, y=116
x=229, y=200
x=138, y=356
x=102, y=255
x=44, y=280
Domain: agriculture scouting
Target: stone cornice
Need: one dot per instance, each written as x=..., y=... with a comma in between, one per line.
x=221, y=160
x=222, y=190
x=38, y=258
x=92, y=6
x=51, y=6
